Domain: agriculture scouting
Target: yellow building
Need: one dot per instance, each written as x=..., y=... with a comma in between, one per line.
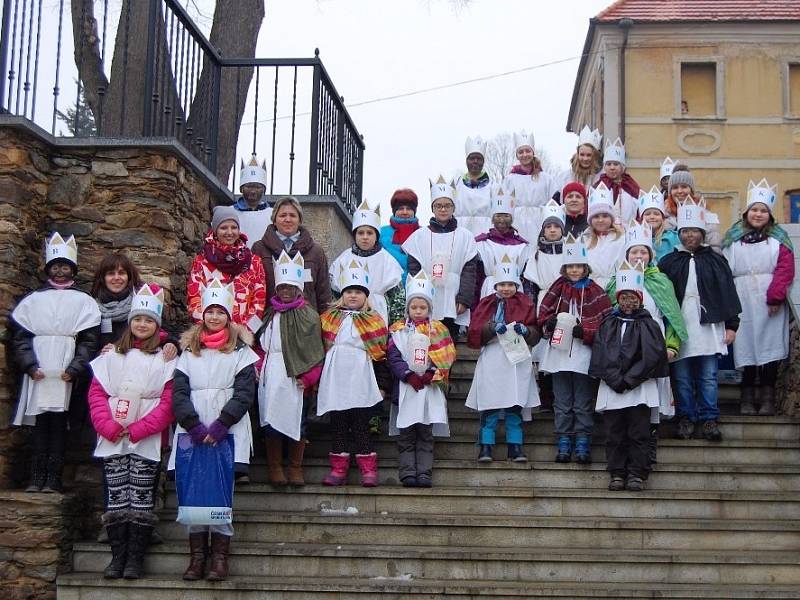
x=714, y=84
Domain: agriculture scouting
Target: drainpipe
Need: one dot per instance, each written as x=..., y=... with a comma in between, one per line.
x=625, y=25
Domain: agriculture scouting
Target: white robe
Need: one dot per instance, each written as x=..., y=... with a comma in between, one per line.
x=492, y=253
x=530, y=195
x=625, y=208
x=211, y=378
x=149, y=373
x=427, y=406
x=459, y=248
x=761, y=338
x=542, y=269
x=54, y=317
x=253, y=223
x=384, y=274
x=498, y=384
x=474, y=207
x=348, y=379
x=666, y=405
x=280, y=399
x=605, y=256
x=574, y=360
x=704, y=339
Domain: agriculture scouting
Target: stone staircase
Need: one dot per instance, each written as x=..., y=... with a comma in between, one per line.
x=716, y=521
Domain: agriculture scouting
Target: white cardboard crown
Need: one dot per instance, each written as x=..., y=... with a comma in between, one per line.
x=692, y=215
x=630, y=277
x=291, y=270
x=666, y=168
x=614, y=151
x=364, y=215
x=652, y=199
x=762, y=192
x=441, y=189
x=523, y=138
x=474, y=146
x=218, y=294
x=145, y=299
x=419, y=286
x=574, y=251
x=502, y=202
x=56, y=247
x=590, y=137
x=253, y=173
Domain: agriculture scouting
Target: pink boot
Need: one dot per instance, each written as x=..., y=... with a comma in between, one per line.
x=340, y=463
x=368, y=465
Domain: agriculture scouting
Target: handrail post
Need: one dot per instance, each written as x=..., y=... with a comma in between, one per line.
x=4, y=52
x=150, y=68
x=314, y=142
x=213, y=136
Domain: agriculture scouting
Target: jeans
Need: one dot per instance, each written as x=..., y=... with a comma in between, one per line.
x=513, y=421
x=696, y=388
x=573, y=403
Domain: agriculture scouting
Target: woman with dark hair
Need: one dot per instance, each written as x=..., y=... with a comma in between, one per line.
x=115, y=279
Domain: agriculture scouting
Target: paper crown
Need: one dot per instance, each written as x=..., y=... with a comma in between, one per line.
x=354, y=274
x=252, y=173
x=630, y=278
x=57, y=248
x=574, y=251
x=523, y=138
x=291, y=271
x=419, y=286
x=692, y=215
x=441, y=189
x=217, y=294
x=553, y=209
x=590, y=137
x=614, y=151
x=761, y=192
x=474, y=146
x=600, y=195
x=506, y=271
x=638, y=234
x=145, y=300
x=652, y=199
x=364, y=215
x=666, y=168
x=502, y=202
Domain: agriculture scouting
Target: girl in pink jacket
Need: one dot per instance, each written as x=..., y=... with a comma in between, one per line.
x=130, y=403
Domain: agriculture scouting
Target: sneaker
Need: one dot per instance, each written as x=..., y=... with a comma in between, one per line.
x=711, y=431
x=583, y=450
x=685, y=429
x=409, y=482
x=515, y=453
x=424, y=482
x=564, y=449
x=617, y=484
x=634, y=484
x=485, y=453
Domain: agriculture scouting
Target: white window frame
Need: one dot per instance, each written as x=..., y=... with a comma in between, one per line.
x=718, y=61
x=787, y=100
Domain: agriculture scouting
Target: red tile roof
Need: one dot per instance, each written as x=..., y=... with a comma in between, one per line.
x=701, y=10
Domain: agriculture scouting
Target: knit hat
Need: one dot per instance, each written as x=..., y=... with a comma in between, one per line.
x=404, y=197
x=573, y=186
x=680, y=176
x=222, y=214
x=148, y=301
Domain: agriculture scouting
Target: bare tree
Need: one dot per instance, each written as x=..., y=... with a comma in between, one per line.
x=500, y=157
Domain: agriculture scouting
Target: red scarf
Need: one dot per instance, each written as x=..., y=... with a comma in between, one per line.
x=626, y=183
x=229, y=260
x=402, y=231
x=214, y=341
x=521, y=170
x=518, y=309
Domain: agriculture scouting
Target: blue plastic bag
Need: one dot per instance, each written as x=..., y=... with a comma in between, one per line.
x=204, y=481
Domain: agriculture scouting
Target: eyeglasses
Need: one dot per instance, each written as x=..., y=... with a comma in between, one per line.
x=447, y=206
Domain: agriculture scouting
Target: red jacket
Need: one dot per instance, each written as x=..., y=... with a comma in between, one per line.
x=782, y=277
x=156, y=421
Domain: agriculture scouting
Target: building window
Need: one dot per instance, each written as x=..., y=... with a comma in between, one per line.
x=698, y=89
x=793, y=88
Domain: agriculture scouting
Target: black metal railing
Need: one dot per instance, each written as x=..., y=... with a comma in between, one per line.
x=145, y=70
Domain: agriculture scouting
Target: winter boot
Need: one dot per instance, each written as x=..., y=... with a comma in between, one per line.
x=368, y=465
x=515, y=453
x=767, y=408
x=295, y=470
x=117, y=528
x=485, y=454
x=634, y=484
x=38, y=473
x=220, y=548
x=616, y=484
x=748, y=396
x=564, y=449
x=55, y=470
x=711, y=431
x=198, y=552
x=340, y=463
x=685, y=429
x=652, y=446
x=275, y=462
x=139, y=531
x=583, y=450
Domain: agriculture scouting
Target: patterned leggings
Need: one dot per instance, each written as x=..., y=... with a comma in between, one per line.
x=351, y=425
x=129, y=482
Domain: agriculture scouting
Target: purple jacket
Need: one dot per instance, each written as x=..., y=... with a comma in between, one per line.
x=398, y=367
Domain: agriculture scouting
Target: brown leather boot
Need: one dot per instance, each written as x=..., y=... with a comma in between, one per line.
x=295, y=470
x=275, y=461
x=220, y=547
x=198, y=551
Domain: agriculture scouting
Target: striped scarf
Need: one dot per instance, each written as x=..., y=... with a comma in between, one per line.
x=369, y=325
x=442, y=350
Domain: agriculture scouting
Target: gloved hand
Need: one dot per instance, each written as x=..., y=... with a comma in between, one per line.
x=550, y=324
x=218, y=431
x=620, y=387
x=415, y=381
x=198, y=433
x=520, y=329
x=577, y=332
x=427, y=378
x=500, y=328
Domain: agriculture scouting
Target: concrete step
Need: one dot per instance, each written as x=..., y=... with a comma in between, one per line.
x=91, y=586
x=600, y=503
x=329, y=526
x=544, y=475
x=368, y=561
x=461, y=447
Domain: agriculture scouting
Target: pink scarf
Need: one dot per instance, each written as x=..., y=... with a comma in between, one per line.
x=214, y=341
x=61, y=286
